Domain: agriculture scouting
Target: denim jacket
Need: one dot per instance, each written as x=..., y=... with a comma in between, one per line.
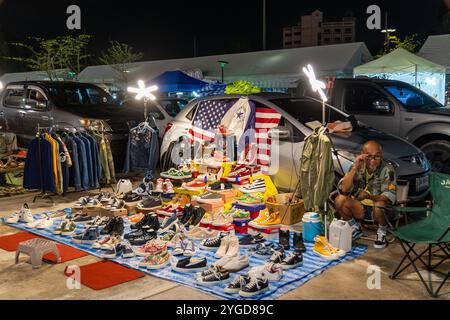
x=142, y=150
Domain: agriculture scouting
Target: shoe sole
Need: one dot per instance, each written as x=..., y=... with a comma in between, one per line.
x=231, y=291
x=380, y=247
x=329, y=258
x=175, y=178
x=206, y=201
x=253, y=191
x=157, y=267
x=128, y=256
x=66, y=234
x=209, y=248
x=153, y=208
x=252, y=294
x=193, y=188
x=252, y=224
x=212, y=283
x=181, y=270
x=215, y=224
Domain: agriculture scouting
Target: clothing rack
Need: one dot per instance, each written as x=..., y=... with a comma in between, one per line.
x=44, y=195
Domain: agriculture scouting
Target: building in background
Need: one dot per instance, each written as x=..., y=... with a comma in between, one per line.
x=313, y=31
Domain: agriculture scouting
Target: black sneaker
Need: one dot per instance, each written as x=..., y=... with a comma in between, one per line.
x=277, y=256
x=251, y=241
x=150, y=203
x=83, y=218
x=118, y=227
x=298, y=243
x=255, y=287
x=220, y=186
x=214, y=278
x=143, y=239
x=198, y=214
x=285, y=239
x=128, y=251
x=152, y=223
x=134, y=234
x=109, y=227
x=212, y=244
x=145, y=220
x=187, y=214
x=237, y=284
x=190, y=265
x=381, y=242
x=114, y=252
x=293, y=260
x=132, y=197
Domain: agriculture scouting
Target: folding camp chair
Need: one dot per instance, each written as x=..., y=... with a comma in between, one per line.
x=433, y=232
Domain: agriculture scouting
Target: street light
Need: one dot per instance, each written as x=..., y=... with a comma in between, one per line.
x=222, y=66
x=317, y=86
x=387, y=31
x=143, y=93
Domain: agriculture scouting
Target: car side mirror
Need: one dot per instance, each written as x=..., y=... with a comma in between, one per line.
x=382, y=106
x=280, y=133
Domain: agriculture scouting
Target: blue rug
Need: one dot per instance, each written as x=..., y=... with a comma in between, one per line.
x=292, y=279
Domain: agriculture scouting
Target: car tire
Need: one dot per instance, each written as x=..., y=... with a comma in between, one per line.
x=438, y=153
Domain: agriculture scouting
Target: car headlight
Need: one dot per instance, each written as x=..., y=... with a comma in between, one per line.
x=97, y=125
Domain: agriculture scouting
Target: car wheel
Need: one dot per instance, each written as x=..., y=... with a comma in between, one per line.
x=438, y=153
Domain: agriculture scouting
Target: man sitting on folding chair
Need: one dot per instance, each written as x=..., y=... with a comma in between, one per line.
x=366, y=191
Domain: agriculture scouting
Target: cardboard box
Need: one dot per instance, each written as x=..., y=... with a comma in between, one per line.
x=289, y=214
x=102, y=212
x=210, y=207
x=270, y=234
x=227, y=195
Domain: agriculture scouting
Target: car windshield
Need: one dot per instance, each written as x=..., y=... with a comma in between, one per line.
x=74, y=96
x=307, y=110
x=411, y=97
x=173, y=107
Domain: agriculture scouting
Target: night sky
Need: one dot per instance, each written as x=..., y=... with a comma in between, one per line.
x=166, y=29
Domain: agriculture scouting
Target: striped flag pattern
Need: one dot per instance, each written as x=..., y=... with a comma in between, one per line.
x=266, y=119
x=207, y=119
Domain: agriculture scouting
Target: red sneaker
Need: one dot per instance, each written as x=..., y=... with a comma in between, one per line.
x=195, y=185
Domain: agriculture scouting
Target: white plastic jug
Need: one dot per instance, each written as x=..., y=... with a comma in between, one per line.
x=124, y=186
x=340, y=235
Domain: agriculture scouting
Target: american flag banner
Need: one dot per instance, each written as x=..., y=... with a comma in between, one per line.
x=266, y=119
x=207, y=119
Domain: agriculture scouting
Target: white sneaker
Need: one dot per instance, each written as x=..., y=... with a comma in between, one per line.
x=14, y=218
x=233, y=247
x=237, y=264
x=272, y=271
x=33, y=224
x=222, y=220
x=159, y=186
x=45, y=223
x=221, y=252
x=221, y=262
x=26, y=215
x=168, y=187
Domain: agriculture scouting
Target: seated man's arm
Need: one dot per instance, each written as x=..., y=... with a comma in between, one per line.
x=388, y=187
x=346, y=184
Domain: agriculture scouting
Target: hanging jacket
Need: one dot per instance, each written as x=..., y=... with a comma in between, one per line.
x=38, y=172
x=142, y=150
x=316, y=170
x=236, y=119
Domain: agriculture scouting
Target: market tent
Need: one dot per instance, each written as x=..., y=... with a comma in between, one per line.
x=31, y=76
x=405, y=66
x=266, y=69
x=437, y=49
x=176, y=81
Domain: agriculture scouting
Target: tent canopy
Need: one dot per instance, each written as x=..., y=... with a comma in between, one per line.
x=399, y=60
x=265, y=69
x=437, y=49
x=176, y=81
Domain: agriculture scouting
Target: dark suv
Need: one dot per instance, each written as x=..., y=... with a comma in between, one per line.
x=25, y=105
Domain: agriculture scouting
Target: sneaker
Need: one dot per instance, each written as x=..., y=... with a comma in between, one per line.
x=142, y=190
x=356, y=232
x=150, y=203
x=179, y=236
x=222, y=250
x=81, y=203
x=239, y=214
x=254, y=287
x=201, y=233
x=236, y=264
x=45, y=223
x=212, y=244
x=293, y=260
x=111, y=243
x=157, y=261
x=25, y=214
x=175, y=174
x=14, y=218
x=100, y=242
x=68, y=229
x=128, y=251
x=113, y=252
x=197, y=216
x=131, y=197
x=89, y=236
x=263, y=251
x=277, y=256
x=168, y=223
x=298, y=243
x=188, y=212
x=380, y=242
x=237, y=169
x=136, y=218
x=263, y=215
x=118, y=226
x=190, y=265
x=251, y=241
x=258, y=185
x=179, y=248
x=159, y=186
x=194, y=185
x=151, y=248
x=233, y=246
x=108, y=228
x=189, y=249
x=209, y=197
x=220, y=186
x=324, y=250
x=168, y=187
x=237, y=284
x=249, y=199
x=83, y=218
x=118, y=205
x=208, y=218
x=271, y=271
x=222, y=220
x=143, y=239
x=168, y=236
x=273, y=221
x=284, y=239
x=149, y=221
x=93, y=203
x=214, y=278
x=61, y=226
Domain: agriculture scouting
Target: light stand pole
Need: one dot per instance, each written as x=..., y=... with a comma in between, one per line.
x=264, y=26
x=222, y=67
x=387, y=32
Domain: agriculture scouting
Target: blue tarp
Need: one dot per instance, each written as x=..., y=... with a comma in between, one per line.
x=176, y=81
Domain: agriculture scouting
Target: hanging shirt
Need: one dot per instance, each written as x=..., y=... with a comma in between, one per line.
x=83, y=161
x=74, y=170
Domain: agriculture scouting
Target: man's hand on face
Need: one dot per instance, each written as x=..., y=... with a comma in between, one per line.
x=360, y=161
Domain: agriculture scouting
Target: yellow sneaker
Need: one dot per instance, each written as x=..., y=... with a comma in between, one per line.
x=263, y=215
x=272, y=221
x=337, y=251
x=324, y=250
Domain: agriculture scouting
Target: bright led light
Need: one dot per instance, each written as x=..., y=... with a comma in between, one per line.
x=195, y=94
x=1, y=85
x=316, y=85
x=143, y=92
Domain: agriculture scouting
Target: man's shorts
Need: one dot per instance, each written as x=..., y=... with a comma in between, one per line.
x=368, y=213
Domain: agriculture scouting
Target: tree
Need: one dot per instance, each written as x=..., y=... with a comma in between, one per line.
x=410, y=43
x=54, y=55
x=118, y=56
